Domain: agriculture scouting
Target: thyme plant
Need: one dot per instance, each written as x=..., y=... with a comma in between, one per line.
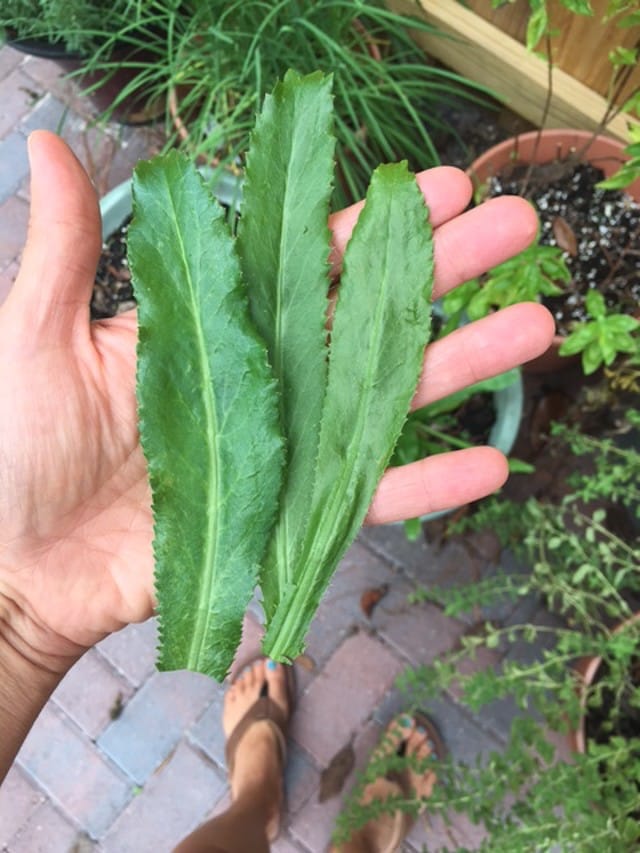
x=528, y=796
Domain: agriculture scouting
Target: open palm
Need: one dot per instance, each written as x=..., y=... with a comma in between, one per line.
x=76, y=559
x=74, y=506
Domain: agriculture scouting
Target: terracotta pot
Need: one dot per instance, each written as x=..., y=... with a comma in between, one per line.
x=603, y=152
x=587, y=669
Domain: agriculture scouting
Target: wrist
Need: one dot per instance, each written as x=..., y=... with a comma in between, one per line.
x=29, y=673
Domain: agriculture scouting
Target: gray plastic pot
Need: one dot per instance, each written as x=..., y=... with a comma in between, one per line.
x=508, y=404
x=117, y=204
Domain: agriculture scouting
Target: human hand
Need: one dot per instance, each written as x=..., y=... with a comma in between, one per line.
x=75, y=514
x=75, y=510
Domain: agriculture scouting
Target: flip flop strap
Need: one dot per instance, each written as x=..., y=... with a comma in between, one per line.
x=399, y=832
x=265, y=710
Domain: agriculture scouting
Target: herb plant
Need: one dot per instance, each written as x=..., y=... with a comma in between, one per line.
x=234, y=352
x=599, y=259
x=535, y=272
x=72, y=24
x=630, y=170
x=528, y=796
x=461, y=420
x=603, y=337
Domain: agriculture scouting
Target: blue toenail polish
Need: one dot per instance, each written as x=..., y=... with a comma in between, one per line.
x=421, y=730
x=271, y=664
x=405, y=722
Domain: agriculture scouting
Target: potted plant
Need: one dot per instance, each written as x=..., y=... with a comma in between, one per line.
x=223, y=57
x=74, y=34
x=537, y=794
x=56, y=30
x=575, y=180
x=590, y=225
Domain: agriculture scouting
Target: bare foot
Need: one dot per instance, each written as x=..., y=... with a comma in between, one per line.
x=257, y=766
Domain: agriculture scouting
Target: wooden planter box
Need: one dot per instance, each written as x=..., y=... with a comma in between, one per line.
x=486, y=45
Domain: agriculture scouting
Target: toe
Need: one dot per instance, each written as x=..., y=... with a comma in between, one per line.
x=396, y=733
x=241, y=695
x=419, y=743
x=421, y=747
x=276, y=677
x=256, y=676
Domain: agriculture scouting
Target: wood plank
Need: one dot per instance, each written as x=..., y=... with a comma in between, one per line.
x=478, y=50
x=581, y=43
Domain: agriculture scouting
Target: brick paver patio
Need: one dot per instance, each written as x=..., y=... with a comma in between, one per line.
x=124, y=758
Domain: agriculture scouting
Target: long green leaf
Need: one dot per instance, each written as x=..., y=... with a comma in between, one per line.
x=208, y=416
x=380, y=330
x=283, y=243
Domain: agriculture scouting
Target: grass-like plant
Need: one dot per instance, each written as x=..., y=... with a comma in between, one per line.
x=70, y=24
x=218, y=59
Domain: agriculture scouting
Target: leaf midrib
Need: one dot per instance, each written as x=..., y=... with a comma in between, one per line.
x=282, y=533
x=201, y=627
x=339, y=492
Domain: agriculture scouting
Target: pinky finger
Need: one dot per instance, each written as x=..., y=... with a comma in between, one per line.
x=439, y=482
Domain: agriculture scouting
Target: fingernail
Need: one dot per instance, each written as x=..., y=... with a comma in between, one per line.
x=406, y=722
x=421, y=730
x=271, y=664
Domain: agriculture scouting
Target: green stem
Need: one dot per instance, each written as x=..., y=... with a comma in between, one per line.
x=432, y=432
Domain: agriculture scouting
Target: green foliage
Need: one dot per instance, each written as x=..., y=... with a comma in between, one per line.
x=523, y=802
x=608, y=334
x=629, y=171
x=439, y=428
x=602, y=338
x=281, y=261
x=537, y=272
x=616, y=8
x=375, y=357
x=73, y=24
x=527, y=277
x=616, y=470
x=211, y=412
x=208, y=416
x=525, y=796
x=220, y=58
x=538, y=24
x=623, y=59
x=428, y=430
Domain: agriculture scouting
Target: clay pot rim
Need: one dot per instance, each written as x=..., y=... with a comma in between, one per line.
x=586, y=669
x=566, y=140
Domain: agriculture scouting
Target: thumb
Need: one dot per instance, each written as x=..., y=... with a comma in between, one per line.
x=53, y=288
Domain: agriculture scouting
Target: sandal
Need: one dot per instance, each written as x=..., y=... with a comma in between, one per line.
x=403, y=822
x=264, y=709
x=398, y=825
